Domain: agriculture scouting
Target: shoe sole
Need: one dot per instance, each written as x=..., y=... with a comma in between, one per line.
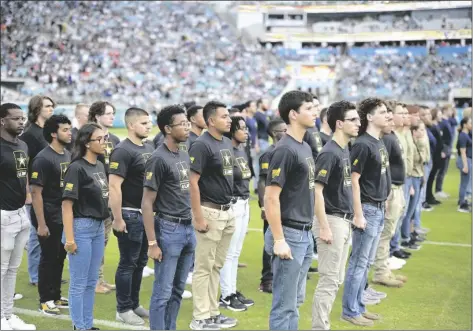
x=197, y=328
x=249, y=304
x=226, y=326
x=63, y=307
x=119, y=319
x=388, y=285
x=235, y=309
x=49, y=314
x=358, y=324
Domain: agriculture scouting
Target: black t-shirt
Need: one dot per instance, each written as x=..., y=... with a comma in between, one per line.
x=110, y=144
x=312, y=137
x=87, y=185
x=128, y=161
x=213, y=160
x=192, y=138
x=47, y=170
x=332, y=168
x=158, y=140
x=13, y=174
x=33, y=137
x=264, y=162
x=396, y=158
x=325, y=138
x=371, y=160
x=74, y=136
x=167, y=173
x=241, y=174
x=262, y=122
x=464, y=141
x=291, y=167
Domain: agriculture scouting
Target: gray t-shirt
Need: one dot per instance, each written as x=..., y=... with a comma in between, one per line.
x=167, y=173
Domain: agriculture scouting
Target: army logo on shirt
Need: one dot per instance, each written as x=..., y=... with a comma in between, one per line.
x=21, y=162
x=243, y=165
x=183, y=170
x=183, y=147
x=227, y=162
x=318, y=140
x=108, y=151
x=146, y=156
x=346, y=173
x=102, y=182
x=384, y=160
x=311, y=165
x=63, y=167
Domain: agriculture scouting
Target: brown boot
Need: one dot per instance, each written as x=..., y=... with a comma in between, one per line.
x=358, y=320
x=388, y=281
x=109, y=286
x=401, y=278
x=101, y=289
x=371, y=316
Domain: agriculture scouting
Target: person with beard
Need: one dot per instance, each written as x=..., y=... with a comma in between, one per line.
x=370, y=162
x=277, y=129
x=333, y=209
x=325, y=131
x=126, y=175
x=289, y=207
x=81, y=114
x=15, y=227
x=47, y=182
x=40, y=108
x=103, y=114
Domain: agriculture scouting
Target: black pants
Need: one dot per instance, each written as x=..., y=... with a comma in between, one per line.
x=266, y=273
x=133, y=247
x=51, y=263
x=436, y=165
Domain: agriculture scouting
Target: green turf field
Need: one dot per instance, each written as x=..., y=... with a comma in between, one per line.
x=436, y=296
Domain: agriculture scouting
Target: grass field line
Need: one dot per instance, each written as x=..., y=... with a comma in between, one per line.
x=111, y=324
x=439, y=243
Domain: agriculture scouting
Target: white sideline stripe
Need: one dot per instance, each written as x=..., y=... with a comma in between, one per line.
x=439, y=243
x=110, y=324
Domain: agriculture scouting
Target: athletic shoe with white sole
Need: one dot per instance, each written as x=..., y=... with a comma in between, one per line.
x=376, y=294
x=49, y=308
x=17, y=323
x=186, y=294
x=189, y=278
x=4, y=325
x=129, y=317
x=207, y=324
x=224, y=322
x=232, y=303
x=17, y=296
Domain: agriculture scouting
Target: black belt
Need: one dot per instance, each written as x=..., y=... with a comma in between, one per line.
x=297, y=225
x=379, y=204
x=348, y=217
x=174, y=219
x=212, y=205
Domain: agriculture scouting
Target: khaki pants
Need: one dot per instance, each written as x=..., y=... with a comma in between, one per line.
x=332, y=260
x=210, y=255
x=108, y=230
x=396, y=205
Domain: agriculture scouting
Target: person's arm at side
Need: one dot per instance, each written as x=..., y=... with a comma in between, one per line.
x=325, y=232
x=115, y=202
x=263, y=173
x=69, y=196
x=199, y=155
x=462, y=144
x=359, y=156
x=37, y=201
x=149, y=196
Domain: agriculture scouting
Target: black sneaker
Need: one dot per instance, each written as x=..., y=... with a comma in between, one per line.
x=243, y=300
x=232, y=303
x=464, y=208
x=313, y=270
x=410, y=245
x=417, y=238
x=406, y=252
x=400, y=255
x=207, y=324
x=224, y=322
x=266, y=287
x=434, y=202
x=426, y=206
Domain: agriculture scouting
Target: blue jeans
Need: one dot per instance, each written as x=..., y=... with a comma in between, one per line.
x=411, y=205
x=33, y=250
x=177, y=243
x=442, y=172
x=465, y=180
x=133, y=247
x=365, y=243
x=395, y=243
x=84, y=270
x=289, y=278
x=417, y=213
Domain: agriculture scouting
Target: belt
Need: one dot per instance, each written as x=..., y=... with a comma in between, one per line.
x=132, y=209
x=235, y=199
x=396, y=186
x=297, y=225
x=348, y=217
x=174, y=219
x=216, y=206
x=379, y=205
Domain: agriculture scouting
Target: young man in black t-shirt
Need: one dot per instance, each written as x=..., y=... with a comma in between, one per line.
x=333, y=209
x=81, y=114
x=289, y=207
x=126, y=175
x=40, y=108
x=276, y=130
x=325, y=131
x=47, y=182
x=171, y=238
x=196, y=118
x=103, y=113
x=370, y=162
x=15, y=222
x=312, y=135
x=211, y=187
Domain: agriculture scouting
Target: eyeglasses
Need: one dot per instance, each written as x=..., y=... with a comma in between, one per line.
x=186, y=124
x=99, y=139
x=353, y=119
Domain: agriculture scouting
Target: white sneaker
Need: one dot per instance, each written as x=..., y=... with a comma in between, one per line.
x=189, y=279
x=149, y=270
x=5, y=325
x=186, y=294
x=146, y=273
x=17, y=296
x=441, y=195
x=315, y=256
x=400, y=261
x=17, y=323
x=394, y=265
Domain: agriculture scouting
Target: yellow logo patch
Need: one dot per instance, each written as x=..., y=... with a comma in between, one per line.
x=149, y=175
x=276, y=172
x=69, y=187
x=323, y=173
x=34, y=175
x=192, y=159
x=355, y=162
x=264, y=165
x=114, y=165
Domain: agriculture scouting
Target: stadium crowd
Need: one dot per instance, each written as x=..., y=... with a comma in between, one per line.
x=326, y=178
